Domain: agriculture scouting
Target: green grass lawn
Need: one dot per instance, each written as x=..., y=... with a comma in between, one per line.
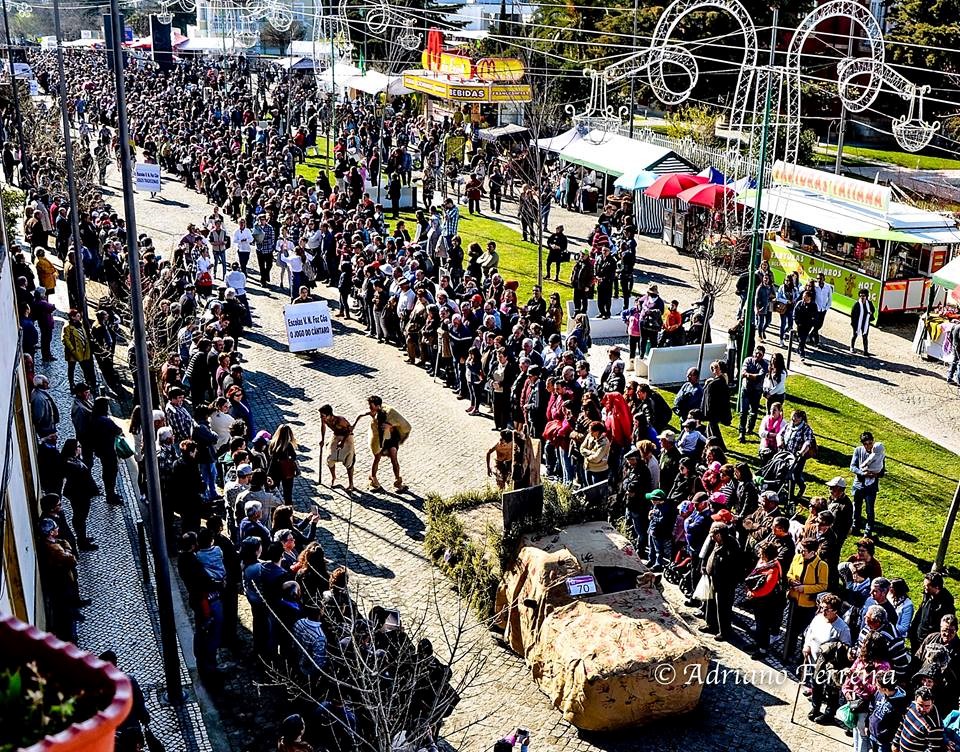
x=899, y=158
x=914, y=496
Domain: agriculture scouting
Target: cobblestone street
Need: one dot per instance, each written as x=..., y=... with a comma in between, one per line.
x=380, y=536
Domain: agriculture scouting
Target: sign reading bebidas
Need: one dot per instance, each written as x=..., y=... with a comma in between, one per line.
x=308, y=326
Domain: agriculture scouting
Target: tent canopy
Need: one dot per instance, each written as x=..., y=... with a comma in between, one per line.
x=294, y=62
x=502, y=131
x=611, y=153
x=374, y=82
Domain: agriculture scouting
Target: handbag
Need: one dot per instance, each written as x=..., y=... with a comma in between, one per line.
x=704, y=590
x=122, y=448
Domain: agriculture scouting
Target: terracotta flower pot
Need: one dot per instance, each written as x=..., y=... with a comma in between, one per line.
x=71, y=667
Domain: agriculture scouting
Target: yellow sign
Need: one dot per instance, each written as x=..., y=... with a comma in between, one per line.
x=436, y=59
x=467, y=92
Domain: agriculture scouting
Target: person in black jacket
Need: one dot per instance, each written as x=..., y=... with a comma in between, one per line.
x=198, y=374
x=103, y=436
x=581, y=280
x=716, y=403
x=186, y=486
x=861, y=316
x=557, y=243
x=80, y=488
x=937, y=602
x=805, y=316
x=205, y=591
x=724, y=566
x=206, y=441
x=606, y=273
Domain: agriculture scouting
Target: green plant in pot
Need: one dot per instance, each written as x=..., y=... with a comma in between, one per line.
x=65, y=699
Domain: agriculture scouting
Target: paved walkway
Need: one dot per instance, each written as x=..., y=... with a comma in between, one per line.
x=123, y=616
x=380, y=536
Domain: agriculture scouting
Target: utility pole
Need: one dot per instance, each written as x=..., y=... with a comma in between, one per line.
x=71, y=182
x=168, y=631
x=633, y=78
x=331, y=145
x=756, y=236
x=842, y=131
x=938, y=565
x=26, y=176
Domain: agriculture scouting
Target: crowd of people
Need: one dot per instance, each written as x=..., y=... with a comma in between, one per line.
x=228, y=487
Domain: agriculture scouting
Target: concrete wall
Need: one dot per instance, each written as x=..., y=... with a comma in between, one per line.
x=20, y=592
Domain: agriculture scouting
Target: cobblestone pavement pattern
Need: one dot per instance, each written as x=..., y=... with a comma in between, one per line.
x=380, y=536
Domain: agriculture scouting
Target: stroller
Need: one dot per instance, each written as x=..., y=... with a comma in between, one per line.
x=679, y=572
x=778, y=475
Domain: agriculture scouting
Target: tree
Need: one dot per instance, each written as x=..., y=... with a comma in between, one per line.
x=272, y=38
x=697, y=122
x=713, y=263
x=930, y=31
x=383, y=687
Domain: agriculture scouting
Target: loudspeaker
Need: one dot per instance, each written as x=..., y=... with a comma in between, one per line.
x=525, y=504
x=162, y=41
x=108, y=39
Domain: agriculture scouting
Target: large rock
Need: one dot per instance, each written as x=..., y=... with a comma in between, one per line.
x=617, y=658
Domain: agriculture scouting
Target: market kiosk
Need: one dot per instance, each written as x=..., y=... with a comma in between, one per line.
x=856, y=235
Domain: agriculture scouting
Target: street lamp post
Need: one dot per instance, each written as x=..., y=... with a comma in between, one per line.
x=71, y=182
x=168, y=631
x=756, y=236
x=633, y=79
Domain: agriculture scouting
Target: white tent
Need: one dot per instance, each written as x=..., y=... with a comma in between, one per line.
x=613, y=154
x=342, y=72
x=212, y=44
x=294, y=62
x=374, y=82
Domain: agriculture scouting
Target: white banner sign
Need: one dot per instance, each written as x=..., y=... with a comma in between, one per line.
x=308, y=326
x=148, y=177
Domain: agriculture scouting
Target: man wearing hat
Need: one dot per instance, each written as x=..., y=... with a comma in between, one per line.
x=178, y=417
x=691, y=441
x=635, y=484
x=841, y=507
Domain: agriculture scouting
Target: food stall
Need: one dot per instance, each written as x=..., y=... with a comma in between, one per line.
x=856, y=235
x=458, y=86
x=932, y=338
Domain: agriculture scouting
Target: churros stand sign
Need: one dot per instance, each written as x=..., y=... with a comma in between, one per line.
x=836, y=186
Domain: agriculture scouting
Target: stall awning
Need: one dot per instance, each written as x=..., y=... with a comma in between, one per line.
x=910, y=224
x=896, y=236
x=938, y=235
x=510, y=129
x=613, y=154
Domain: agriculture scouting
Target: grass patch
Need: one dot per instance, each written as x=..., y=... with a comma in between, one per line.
x=899, y=158
x=474, y=562
x=914, y=496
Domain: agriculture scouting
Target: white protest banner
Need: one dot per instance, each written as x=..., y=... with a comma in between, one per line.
x=308, y=326
x=148, y=177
